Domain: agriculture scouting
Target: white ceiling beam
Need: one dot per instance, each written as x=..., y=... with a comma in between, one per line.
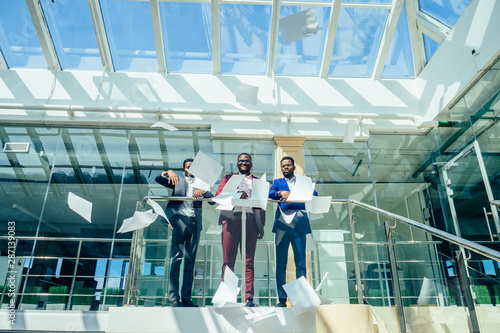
x=42, y=31
x=100, y=33
x=158, y=36
x=432, y=27
x=285, y=3
x=387, y=37
x=3, y=63
x=273, y=40
x=330, y=38
x=416, y=42
x=216, y=37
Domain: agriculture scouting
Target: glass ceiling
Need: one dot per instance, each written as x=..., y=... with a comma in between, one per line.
x=354, y=38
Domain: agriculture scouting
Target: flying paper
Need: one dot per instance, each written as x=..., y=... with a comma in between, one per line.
x=298, y=26
x=158, y=210
x=232, y=183
x=205, y=168
x=260, y=192
x=286, y=218
x=319, y=205
x=302, y=295
x=302, y=190
x=247, y=94
x=198, y=183
x=80, y=206
x=228, y=290
x=323, y=299
x=138, y=221
x=310, y=243
x=164, y=125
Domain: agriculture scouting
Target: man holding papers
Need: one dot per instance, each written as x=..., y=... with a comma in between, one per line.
x=231, y=226
x=185, y=217
x=291, y=223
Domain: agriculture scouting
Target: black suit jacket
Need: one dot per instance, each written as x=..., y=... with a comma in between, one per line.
x=180, y=190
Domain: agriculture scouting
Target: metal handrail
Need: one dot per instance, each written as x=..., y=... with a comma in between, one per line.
x=495, y=202
x=483, y=250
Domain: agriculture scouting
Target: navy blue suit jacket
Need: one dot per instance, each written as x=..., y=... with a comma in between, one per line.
x=301, y=220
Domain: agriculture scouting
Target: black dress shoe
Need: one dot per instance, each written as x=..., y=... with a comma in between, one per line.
x=281, y=305
x=189, y=304
x=176, y=304
x=251, y=304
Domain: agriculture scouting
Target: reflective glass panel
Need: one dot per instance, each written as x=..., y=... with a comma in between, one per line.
x=302, y=57
x=399, y=62
x=187, y=36
x=357, y=41
x=447, y=12
x=72, y=32
x=431, y=47
x=129, y=30
x=244, y=38
x=18, y=39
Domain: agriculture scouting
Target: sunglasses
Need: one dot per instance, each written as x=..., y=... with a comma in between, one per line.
x=244, y=161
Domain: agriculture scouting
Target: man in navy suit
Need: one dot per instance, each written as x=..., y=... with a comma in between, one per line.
x=286, y=234
x=185, y=217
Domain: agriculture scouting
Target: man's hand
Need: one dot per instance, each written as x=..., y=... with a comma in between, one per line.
x=172, y=177
x=284, y=196
x=244, y=195
x=199, y=193
x=260, y=231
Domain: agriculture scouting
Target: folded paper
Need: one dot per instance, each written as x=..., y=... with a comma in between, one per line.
x=198, y=183
x=158, y=210
x=162, y=124
x=319, y=205
x=302, y=190
x=227, y=293
x=80, y=206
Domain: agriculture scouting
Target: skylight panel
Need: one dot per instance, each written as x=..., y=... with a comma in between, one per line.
x=72, y=32
x=447, y=12
x=244, y=38
x=187, y=35
x=431, y=47
x=129, y=29
x=304, y=56
x=18, y=39
x=358, y=37
x=399, y=62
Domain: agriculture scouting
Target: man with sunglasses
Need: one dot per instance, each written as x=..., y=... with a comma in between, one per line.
x=231, y=227
x=293, y=233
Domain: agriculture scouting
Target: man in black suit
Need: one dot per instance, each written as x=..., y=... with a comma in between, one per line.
x=185, y=217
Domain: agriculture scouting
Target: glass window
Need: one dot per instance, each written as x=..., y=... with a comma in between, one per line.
x=179, y=20
x=399, y=62
x=72, y=33
x=431, y=47
x=18, y=41
x=447, y=12
x=357, y=41
x=129, y=30
x=244, y=38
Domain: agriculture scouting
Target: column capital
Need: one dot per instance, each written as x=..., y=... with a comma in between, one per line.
x=289, y=141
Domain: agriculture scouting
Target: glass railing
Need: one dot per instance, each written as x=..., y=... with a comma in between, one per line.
x=371, y=256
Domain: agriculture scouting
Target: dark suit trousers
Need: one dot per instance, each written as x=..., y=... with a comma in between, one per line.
x=231, y=239
x=185, y=238
x=283, y=240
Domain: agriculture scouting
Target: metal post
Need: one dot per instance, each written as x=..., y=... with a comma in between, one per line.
x=395, y=278
x=463, y=277
x=243, y=250
x=359, y=286
x=71, y=291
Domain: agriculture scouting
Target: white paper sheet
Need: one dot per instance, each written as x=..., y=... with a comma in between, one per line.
x=247, y=94
x=260, y=192
x=232, y=184
x=319, y=205
x=138, y=221
x=162, y=124
x=286, y=218
x=80, y=206
x=198, y=183
x=302, y=190
x=298, y=26
x=158, y=210
x=205, y=168
x=261, y=315
x=227, y=292
x=264, y=177
x=310, y=243
x=302, y=295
